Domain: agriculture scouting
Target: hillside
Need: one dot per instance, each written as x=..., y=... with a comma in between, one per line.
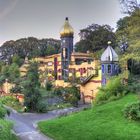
x=104, y=122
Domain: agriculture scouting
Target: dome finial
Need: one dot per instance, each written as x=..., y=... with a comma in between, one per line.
x=109, y=42
x=66, y=30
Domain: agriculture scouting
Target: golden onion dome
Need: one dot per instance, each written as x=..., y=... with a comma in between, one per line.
x=67, y=29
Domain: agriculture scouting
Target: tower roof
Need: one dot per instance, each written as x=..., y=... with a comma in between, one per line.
x=66, y=29
x=109, y=55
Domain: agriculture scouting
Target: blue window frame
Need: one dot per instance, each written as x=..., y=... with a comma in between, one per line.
x=109, y=69
x=103, y=69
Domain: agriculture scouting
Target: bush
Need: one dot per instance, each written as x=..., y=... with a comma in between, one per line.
x=5, y=130
x=132, y=111
x=42, y=107
x=58, y=91
x=48, y=86
x=3, y=112
x=72, y=95
x=114, y=86
x=113, y=90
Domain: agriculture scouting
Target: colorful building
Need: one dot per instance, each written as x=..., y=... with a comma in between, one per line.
x=68, y=66
x=109, y=64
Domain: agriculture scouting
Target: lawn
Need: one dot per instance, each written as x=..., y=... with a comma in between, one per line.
x=104, y=122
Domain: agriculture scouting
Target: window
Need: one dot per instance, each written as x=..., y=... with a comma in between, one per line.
x=109, y=68
x=50, y=63
x=103, y=69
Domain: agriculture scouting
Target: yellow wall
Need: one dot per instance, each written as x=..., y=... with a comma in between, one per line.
x=46, y=64
x=90, y=89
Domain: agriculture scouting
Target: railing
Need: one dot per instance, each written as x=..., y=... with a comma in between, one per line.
x=85, y=80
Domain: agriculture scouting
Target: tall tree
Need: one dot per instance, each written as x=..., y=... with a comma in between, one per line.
x=129, y=30
x=129, y=6
x=94, y=38
x=31, y=87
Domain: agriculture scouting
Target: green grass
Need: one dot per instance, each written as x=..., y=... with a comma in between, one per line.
x=5, y=130
x=104, y=122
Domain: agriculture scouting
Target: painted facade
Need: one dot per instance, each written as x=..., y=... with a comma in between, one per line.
x=109, y=64
x=69, y=66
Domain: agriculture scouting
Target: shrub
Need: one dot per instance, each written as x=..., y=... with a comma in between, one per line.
x=72, y=95
x=132, y=111
x=58, y=91
x=114, y=86
x=101, y=97
x=113, y=90
x=2, y=112
x=48, y=86
x=5, y=130
x=42, y=107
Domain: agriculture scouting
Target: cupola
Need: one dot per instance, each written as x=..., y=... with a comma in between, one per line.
x=66, y=29
x=109, y=55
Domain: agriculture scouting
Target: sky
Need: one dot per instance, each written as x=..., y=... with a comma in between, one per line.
x=44, y=18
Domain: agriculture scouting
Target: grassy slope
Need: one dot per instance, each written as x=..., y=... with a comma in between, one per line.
x=104, y=122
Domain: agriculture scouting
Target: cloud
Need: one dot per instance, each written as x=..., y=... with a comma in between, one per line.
x=7, y=7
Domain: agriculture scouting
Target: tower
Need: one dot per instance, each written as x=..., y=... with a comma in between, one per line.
x=109, y=63
x=66, y=35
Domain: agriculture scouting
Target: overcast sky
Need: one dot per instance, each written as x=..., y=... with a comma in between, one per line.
x=44, y=18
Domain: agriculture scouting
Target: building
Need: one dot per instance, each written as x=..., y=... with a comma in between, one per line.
x=68, y=66
x=109, y=64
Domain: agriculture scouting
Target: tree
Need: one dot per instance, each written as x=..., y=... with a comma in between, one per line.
x=50, y=50
x=129, y=6
x=95, y=38
x=128, y=31
x=17, y=60
x=31, y=47
x=31, y=87
x=14, y=72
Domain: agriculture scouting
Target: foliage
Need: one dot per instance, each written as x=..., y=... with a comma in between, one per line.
x=2, y=111
x=31, y=87
x=59, y=106
x=58, y=91
x=128, y=31
x=132, y=111
x=10, y=72
x=113, y=90
x=72, y=95
x=104, y=122
x=48, y=86
x=17, y=60
x=134, y=84
x=31, y=47
x=42, y=107
x=14, y=72
x=5, y=130
x=12, y=102
x=51, y=50
x=129, y=6
x=94, y=38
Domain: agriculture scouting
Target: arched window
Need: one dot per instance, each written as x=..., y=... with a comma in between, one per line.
x=109, y=68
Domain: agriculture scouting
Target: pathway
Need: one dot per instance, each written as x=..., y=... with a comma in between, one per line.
x=25, y=124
